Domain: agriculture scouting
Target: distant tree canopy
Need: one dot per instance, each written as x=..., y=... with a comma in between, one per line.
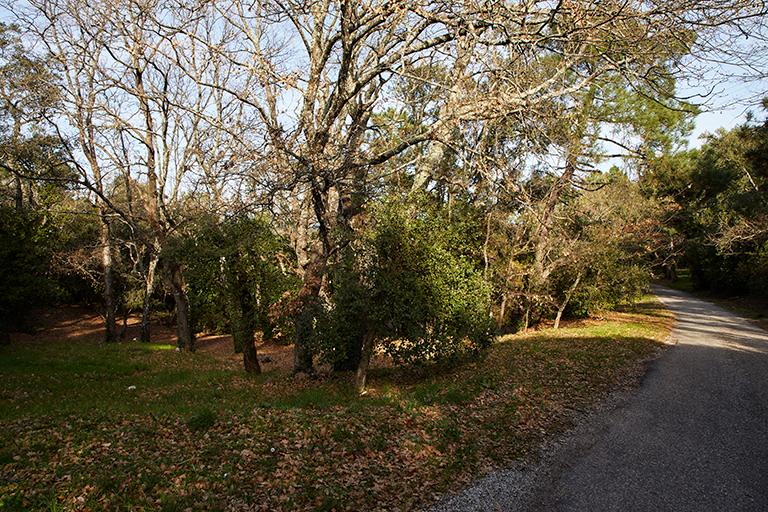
x=717, y=205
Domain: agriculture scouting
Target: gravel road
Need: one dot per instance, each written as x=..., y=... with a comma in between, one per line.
x=692, y=437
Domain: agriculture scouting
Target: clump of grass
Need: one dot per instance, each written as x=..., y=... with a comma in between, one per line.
x=202, y=420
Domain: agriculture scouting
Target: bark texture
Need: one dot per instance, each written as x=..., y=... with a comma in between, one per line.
x=365, y=361
x=184, y=332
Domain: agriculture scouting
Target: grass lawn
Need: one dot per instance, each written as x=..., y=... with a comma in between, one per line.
x=86, y=426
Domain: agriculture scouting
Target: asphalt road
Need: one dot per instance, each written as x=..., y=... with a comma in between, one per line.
x=692, y=437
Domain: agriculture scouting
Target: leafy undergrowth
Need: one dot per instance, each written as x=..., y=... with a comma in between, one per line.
x=141, y=427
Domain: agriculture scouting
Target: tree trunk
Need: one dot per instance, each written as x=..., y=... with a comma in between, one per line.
x=428, y=168
x=185, y=336
x=308, y=304
x=251, y=357
x=19, y=193
x=242, y=336
x=541, y=237
x=149, y=289
x=486, y=259
x=32, y=203
x=505, y=298
x=568, y=295
x=560, y=314
x=365, y=361
x=305, y=320
x=124, y=328
x=241, y=307
x=502, y=311
x=109, y=284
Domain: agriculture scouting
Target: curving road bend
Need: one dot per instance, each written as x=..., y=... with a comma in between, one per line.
x=693, y=437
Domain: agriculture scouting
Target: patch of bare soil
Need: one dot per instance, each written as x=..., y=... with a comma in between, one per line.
x=80, y=324
x=271, y=355
x=63, y=323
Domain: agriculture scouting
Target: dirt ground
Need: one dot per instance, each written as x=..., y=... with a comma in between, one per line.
x=74, y=323
x=80, y=324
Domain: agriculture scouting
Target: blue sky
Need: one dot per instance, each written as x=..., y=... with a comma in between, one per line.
x=725, y=117
x=729, y=102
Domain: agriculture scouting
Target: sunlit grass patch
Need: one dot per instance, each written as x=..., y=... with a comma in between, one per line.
x=151, y=347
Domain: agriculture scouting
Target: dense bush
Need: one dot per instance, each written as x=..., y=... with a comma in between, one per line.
x=412, y=282
x=25, y=256
x=234, y=273
x=615, y=229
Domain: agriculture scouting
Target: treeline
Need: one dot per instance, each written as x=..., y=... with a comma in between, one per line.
x=716, y=205
x=411, y=177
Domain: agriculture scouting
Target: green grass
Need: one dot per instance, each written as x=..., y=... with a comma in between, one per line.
x=195, y=433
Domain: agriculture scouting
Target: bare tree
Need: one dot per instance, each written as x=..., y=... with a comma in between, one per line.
x=136, y=112
x=279, y=104
x=315, y=98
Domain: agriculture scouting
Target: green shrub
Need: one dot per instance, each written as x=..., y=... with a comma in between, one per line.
x=233, y=264
x=202, y=420
x=413, y=282
x=25, y=254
